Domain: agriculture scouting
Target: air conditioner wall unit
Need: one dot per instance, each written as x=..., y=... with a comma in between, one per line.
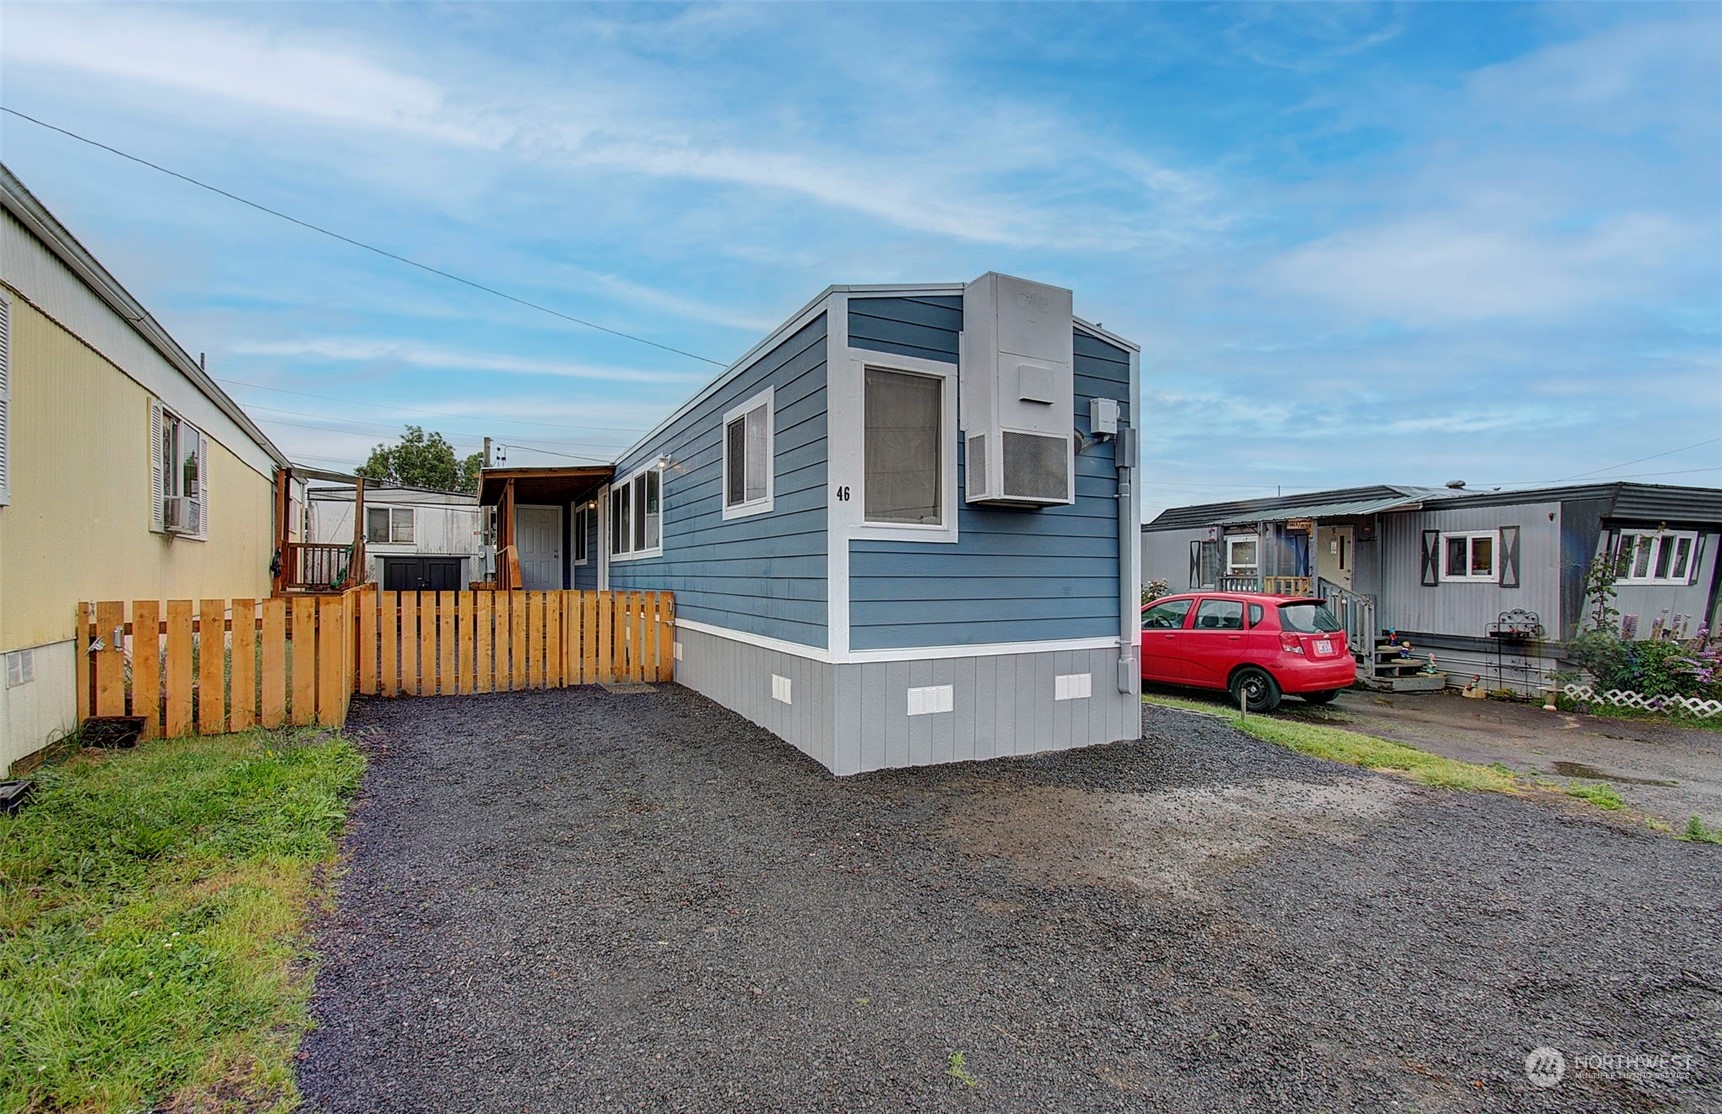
x=181, y=514
x=1018, y=393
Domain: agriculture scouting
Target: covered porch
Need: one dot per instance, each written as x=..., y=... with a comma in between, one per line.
x=542, y=527
x=301, y=567
x=1309, y=550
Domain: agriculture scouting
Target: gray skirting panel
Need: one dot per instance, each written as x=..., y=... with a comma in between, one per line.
x=857, y=717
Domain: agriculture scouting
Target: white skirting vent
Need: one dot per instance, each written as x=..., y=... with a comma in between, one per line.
x=930, y=700
x=678, y=651
x=20, y=668
x=1073, y=686
x=780, y=689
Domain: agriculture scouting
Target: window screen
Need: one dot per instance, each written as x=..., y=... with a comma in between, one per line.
x=747, y=457
x=376, y=524
x=902, y=446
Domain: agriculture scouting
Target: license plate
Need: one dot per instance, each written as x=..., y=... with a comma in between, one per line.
x=1324, y=646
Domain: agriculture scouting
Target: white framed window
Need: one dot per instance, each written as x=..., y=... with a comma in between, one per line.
x=582, y=527
x=748, y=457
x=908, y=489
x=179, y=475
x=389, y=525
x=636, y=516
x=1470, y=556
x=1243, y=555
x=1656, y=556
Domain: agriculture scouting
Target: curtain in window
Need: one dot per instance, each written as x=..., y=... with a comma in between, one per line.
x=902, y=447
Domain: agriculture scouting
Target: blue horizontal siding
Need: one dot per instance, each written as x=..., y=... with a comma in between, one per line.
x=1012, y=576
x=925, y=327
x=763, y=574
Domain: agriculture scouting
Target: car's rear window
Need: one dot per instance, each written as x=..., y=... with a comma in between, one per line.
x=1308, y=618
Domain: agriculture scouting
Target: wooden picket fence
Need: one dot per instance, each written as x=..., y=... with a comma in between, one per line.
x=444, y=643
x=224, y=666
x=300, y=660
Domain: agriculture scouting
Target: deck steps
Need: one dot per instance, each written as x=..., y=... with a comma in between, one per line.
x=1392, y=666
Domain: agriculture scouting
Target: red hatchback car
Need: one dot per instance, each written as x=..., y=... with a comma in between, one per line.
x=1253, y=646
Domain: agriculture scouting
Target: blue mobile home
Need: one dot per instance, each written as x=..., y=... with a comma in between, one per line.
x=900, y=530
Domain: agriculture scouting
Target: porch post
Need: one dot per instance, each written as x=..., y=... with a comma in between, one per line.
x=1264, y=554
x=356, y=564
x=505, y=535
x=283, y=489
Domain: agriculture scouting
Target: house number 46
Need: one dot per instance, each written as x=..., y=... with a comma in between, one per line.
x=843, y=495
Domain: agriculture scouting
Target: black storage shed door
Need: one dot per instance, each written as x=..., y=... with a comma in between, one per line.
x=421, y=574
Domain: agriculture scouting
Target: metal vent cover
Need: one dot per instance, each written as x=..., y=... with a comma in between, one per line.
x=975, y=466
x=1036, y=466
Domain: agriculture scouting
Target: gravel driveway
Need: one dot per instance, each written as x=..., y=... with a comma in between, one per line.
x=575, y=900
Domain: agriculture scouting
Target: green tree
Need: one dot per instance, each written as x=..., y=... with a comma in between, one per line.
x=419, y=459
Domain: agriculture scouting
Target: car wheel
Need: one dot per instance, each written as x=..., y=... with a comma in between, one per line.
x=1325, y=696
x=1255, y=689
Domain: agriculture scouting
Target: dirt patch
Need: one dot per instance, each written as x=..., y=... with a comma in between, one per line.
x=1668, y=771
x=1160, y=843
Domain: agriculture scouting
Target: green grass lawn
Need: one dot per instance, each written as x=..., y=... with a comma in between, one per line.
x=153, y=922
x=1302, y=730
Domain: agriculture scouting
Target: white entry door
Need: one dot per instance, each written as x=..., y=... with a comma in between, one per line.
x=538, y=532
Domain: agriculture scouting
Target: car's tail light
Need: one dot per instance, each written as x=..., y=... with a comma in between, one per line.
x=1290, y=643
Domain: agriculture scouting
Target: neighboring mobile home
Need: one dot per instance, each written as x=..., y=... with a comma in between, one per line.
x=415, y=538
x=125, y=472
x=900, y=530
x=1446, y=568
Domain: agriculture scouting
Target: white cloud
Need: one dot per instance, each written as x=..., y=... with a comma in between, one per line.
x=416, y=354
x=1477, y=264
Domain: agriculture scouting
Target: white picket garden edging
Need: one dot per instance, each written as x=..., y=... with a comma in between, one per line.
x=1687, y=705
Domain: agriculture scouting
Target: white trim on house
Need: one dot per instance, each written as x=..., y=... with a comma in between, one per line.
x=1661, y=541
x=907, y=653
x=842, y=456
x=637, y=508
x=855, y=397
x=766, y=399
x=1492, y=576
x=579, y=550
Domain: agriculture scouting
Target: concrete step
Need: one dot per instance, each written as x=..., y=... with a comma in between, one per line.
x=1415, y=682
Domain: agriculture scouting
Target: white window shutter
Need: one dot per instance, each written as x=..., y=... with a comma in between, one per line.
x=156, y=521
x=5, y=401
x=202, y=486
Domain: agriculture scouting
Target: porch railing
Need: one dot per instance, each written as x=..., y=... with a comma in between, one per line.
x=316, y=566
x=1272, y=585
x=1355, y=611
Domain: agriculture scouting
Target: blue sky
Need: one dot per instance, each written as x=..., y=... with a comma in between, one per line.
x=1357, y=244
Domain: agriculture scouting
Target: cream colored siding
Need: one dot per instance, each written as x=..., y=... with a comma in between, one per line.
x=78, y=527
x=41, y=279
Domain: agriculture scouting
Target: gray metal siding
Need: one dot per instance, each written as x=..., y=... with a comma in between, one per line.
x=1463, y=608
x=1002, y=705
x=1012, y=576
x=1166, y=556
x=763, y=574
x=1648, y=601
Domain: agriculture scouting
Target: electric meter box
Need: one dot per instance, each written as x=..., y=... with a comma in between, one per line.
x=1018, y=393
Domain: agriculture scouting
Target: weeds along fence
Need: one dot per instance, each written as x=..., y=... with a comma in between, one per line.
x=211, y=666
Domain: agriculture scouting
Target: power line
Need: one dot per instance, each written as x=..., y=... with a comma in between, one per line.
x=1642, y=459
x=428, y=414
x=353, y=425
x=357, y=243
